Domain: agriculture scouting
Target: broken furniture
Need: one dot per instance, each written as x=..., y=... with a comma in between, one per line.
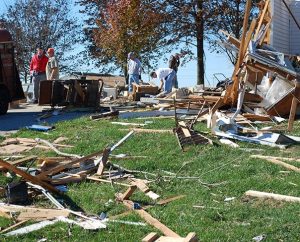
x=140, y=90
x=76, y=92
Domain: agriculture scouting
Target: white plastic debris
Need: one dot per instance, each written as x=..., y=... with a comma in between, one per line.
x=228, y=199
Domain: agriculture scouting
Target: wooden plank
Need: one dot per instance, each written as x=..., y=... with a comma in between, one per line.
x=278, y=162
x=14, y=149
x=277, y=158
x=231, y=92
x=107, y=181
x=191, y=237
x=141, y=185
x=218, y=104
x=13, y=226
x=249, y=36
x=103, y=161
x=165, y=201
x=3, y=213
x=29, y=177
x=68, y=165
x=265, y=32
x=151, y=237
x=149, y=130
x=104, y=115
x=79, y=90
x=184, y=129
x=292, y=113
x=152, y=221
x=274, y=196
x=261, y=18
x=21, y=161
x=42, y=214
x=128, y=193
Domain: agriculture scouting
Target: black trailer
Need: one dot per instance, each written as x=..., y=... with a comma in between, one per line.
x=10, y=84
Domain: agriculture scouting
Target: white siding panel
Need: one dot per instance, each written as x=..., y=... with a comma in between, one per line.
x=280, y=37
x=285, y=35
x=295, y=31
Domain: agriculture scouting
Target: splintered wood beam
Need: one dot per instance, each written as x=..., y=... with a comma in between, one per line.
x=13, y=226
x=218, y=104
x=265, y=32
x=152, y=221
x=29, y=177
x=231, y=93
x=22, y=160
x=243, y=54
x=128, y=193
x=292, y=113
x=67, y=165
x=249, y=36
x=103, y=161
x=278, y=162
x=261, y=18
x=165, y=201
x=274, y=196
x=277, y=158
x=243, y=37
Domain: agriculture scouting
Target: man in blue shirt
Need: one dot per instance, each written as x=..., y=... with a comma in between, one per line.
x=134, y=68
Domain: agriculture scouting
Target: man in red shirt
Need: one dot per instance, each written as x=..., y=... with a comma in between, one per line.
x=38, y=71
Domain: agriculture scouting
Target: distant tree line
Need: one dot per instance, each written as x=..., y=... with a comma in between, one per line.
x=112, y=28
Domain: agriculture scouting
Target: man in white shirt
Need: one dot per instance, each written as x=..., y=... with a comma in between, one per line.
x=52, y=69
x=166, y=76
x=134, y=68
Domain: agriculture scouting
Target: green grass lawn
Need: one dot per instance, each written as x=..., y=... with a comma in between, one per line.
x=232, y=170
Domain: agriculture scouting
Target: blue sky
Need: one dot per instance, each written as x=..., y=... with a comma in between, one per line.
x=215, y=63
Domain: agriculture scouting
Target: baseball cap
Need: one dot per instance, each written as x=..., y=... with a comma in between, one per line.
x=50, y=50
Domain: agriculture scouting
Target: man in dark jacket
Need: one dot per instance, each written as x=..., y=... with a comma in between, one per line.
x=174, y=62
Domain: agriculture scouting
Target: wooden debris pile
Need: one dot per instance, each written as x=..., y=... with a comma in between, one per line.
x=53, y=172
x=264, y=80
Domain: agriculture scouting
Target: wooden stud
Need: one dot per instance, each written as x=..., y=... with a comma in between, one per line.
x=292, y=113
x=191, y=237
x=107, y=181
x=103, y=161
x=165, y=201
x=13, y=226
x=152, y=221
x=128, y=193
x=278, y=162
x=272, y=196
x=261, y=18
x=151, y=237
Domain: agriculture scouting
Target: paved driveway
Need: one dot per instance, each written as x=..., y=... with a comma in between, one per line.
x=28, y=114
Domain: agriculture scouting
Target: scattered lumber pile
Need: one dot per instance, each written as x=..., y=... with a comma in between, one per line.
x=69, y=168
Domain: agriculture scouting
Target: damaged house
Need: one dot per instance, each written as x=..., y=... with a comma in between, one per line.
x=266, y=79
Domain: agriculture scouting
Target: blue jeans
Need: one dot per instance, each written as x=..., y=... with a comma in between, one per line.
x=36, y=79
x=169, y=81
x=133, y=78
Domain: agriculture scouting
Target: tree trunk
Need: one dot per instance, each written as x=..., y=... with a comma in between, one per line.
x=200, y=43
x=125, y=71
